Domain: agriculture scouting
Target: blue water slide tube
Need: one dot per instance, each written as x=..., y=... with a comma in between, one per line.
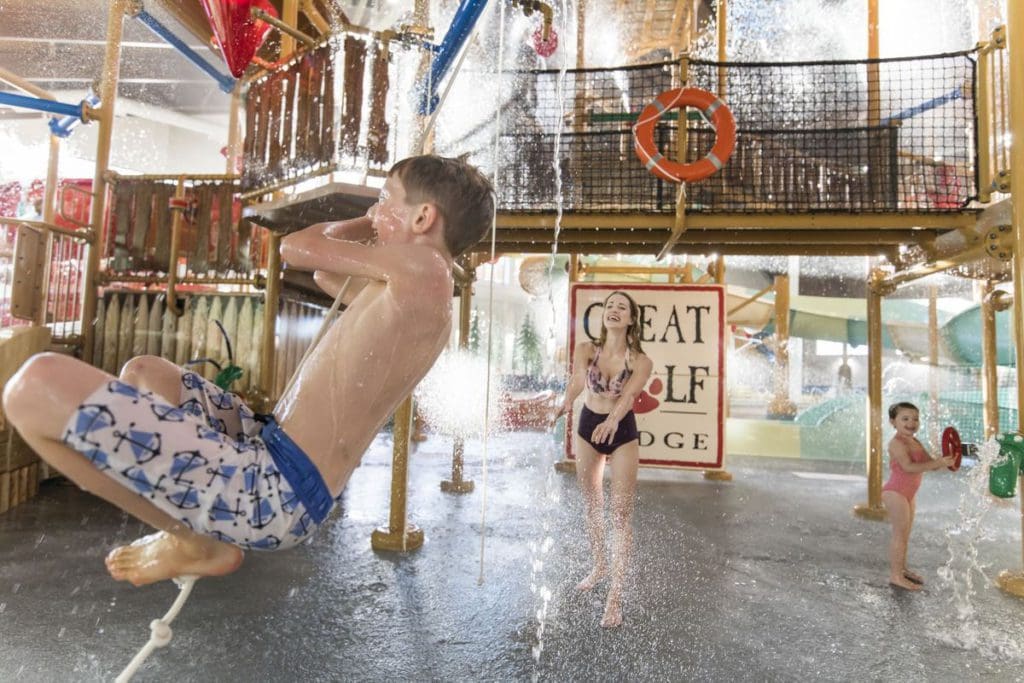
x=466, y=16
x=225, y=82
x=62, y=127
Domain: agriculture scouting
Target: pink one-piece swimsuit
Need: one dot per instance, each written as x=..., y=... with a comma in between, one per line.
x=900, y=481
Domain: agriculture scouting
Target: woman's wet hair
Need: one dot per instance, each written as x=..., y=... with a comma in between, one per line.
x=633, y=331
x=895, y=408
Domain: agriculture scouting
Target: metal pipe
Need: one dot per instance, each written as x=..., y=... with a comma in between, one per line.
x=272, y=301
x=62, y=127
x=178, y=207
x=722, y=16
x=737, y=221
x=933, y=369
x=108, y=95
x=399, y=535
x=972, y=253
x=84, y=235
x=225, y=82
x=309, y=8
x=714, y=237
x=873, y=508
x=290, y=14
x=780, y=404
x=984, y=105
x=256, y=281
x=24, y=85
x=751, y=300
x=295, y=33
x=233, y=162
x=39, y=104
x=465, y=19
x=49, y=209
x=679, y=222
x=989, y=357
x=114, y=176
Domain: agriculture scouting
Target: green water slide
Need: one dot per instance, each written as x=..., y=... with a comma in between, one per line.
x=905, y=327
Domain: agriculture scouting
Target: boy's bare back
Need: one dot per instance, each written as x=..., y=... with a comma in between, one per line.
x=369, y=361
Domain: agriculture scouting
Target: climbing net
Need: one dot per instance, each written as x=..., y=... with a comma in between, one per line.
x=812, y=136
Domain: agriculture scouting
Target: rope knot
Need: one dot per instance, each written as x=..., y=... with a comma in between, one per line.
x=161, y=633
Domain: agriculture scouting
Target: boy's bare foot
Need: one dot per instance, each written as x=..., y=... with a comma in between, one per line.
x=592, y=579
x=612, y=610
x=163, y=556
x=912, y=576
x=905, y=584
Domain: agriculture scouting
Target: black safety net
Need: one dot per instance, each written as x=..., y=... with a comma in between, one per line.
x=892, y=135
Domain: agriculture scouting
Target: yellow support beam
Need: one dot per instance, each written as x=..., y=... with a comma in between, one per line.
x=731, y=221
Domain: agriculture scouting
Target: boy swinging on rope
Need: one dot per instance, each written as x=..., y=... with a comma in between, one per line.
x=195, y=462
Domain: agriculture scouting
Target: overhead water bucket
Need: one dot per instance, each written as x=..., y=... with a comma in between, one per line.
x=237, y=32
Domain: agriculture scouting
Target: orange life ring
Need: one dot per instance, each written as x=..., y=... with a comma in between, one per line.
x=714, y=110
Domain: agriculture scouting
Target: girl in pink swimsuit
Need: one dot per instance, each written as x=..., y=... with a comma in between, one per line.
x=908, y=460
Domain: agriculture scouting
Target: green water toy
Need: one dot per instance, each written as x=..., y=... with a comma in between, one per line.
x=1002, y=475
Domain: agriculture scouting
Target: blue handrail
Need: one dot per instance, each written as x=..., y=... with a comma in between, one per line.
x=465, y=19
x=39, y=104
x=225, y=82
x=62, y=127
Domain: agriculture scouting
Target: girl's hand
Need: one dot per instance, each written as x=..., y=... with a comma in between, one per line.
x=944, y=461
x=605, y=432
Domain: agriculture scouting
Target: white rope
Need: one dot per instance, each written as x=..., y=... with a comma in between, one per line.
x=160, y=629
x=490, y=303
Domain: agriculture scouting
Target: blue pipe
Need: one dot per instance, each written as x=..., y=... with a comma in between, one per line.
x=465, y=19
x=226, y=83
x=954, y=94
x=62, y=127
x=39, y=104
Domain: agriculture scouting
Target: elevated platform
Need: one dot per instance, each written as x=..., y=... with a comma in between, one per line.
x=810, y=234
x=330, y=202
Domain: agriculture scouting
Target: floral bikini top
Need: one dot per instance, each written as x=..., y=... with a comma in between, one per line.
x=611, y=387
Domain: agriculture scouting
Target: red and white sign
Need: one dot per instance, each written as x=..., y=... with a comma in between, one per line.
x=680, y=412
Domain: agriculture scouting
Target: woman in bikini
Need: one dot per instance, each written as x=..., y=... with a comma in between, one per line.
x=908, y=460
x=613, y=370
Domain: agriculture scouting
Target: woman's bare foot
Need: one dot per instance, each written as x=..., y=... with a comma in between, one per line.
x=612, y=610
x=912, y=576
x=163, y=556
x=592, y=579
x=904, y=583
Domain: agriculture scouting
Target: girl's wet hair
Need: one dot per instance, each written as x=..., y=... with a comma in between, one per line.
x=633, y=331
x=895, y=408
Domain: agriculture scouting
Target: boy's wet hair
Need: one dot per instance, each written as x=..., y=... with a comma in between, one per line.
x=463, y=195
x=895, y=408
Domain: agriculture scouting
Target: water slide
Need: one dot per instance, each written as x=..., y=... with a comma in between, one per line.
x=905, y=327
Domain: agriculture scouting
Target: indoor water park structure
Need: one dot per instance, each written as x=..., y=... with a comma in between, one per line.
x=811, y=200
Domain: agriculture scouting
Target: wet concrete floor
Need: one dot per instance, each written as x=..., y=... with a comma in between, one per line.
x=766, y=578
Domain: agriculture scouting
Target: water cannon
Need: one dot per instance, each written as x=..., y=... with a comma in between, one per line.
x=1002, y=475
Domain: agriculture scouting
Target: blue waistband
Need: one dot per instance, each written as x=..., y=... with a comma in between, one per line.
x=297, y=469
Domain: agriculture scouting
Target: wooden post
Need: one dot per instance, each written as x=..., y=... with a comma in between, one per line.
x=1013, y=581
x=873, y=508
x=399, y=535
x=722, y=475
x=457, y=484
